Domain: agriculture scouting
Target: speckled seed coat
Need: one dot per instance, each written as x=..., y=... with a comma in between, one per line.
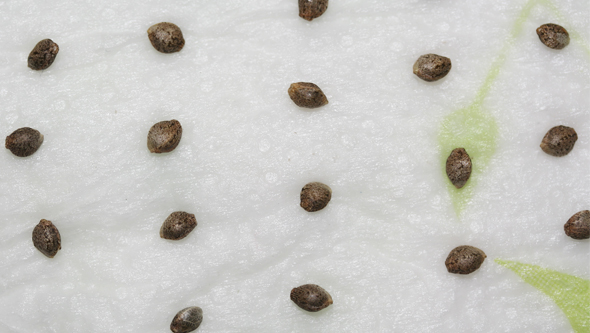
x=24, y=141
x=459, y=167
x=553, y=35
x=43, y=55
x=315, y=196
x=310, y=9
x=166, y=37
x=178, y=225
x=46, y=238
x=432, y=67
x=578, y=226
x=164, y=136
x=307, y=95
x=559, y=141
x=311, y=297
x=464, y=259
x=187, y=320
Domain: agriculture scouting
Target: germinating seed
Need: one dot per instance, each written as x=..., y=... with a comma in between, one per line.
x=432, y=67
x=578, y=226
x=307, y=95
x=164, y=136
x=464, y=259
x=46, y=238
x=43, y=54
x=311, y=297
x=310, y=9
x=553, y=35
x=24, y=141
x=166, y=37
x=459, y=167
x=178, y=225
x=315, y=196
x=559, y=141
x=187, y=320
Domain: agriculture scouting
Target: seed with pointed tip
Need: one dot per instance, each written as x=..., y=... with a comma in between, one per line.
x=311, y=297
x=553, y=35
x=178, y=225
x=315, y=196
x=459, y=167
x=432, y=67
x=307, y=95
x=464, y=259
x=46, y=238
x=559, y=141
x=166, y=37
x=24, y=141
x=43, y=54
x=310, y=9
x=578, y=226
x=187, y=320
x=164, y=136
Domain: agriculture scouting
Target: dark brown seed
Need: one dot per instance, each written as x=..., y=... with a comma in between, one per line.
x=559, y=141
x=24, y=141
x=311, y=297
x=432, y=67
x=307, y=95
x=459, y=167
x=187, y=320
x=46, y=238
x=553, y=35
x=315, y=196
x=164, y=136
x=178, y=225
x=578, y=226
x=43, y=54
x=310, y=9
x=166, y=37
x=464, y=259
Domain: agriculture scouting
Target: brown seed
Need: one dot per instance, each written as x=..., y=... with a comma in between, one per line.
x=553, y=35
x=310, y=9
x=43, y=54
x=578, y=226
x=178, y=225
x=459, y=167
x=24, y=141
x=307, y=95
x=464, y=259
x=187, y=320
x=559, y=141
x=432, y=67
x=315, y=196
x=164, y=136
x=166, y=37
x=311, y=297
x=46, y=238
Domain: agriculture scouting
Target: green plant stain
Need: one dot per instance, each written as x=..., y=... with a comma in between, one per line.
x=570, y=293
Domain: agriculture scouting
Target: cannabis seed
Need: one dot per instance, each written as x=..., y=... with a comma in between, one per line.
x=307, y=95
x=559, y=141
x=432, y=67
x=459, y=167
x=187, y=320
x=24, y=141
x=164, y=136
x=464, y=259
x=553, y=35
x=43, y=54
x=310, y=9
x=46, y=238
x=315, y=196
x=166, y=37
x=311, y=297
x=178, y=225
x=578, y=226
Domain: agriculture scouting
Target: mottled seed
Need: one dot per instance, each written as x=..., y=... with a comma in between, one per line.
x=459, y=167
x=432, y=67
x=46, y=238
x=559, y=141
x=578, y=226
x=187, y=320
x=164, y=136
x=464, y=259
x=24, y=141
x=553, y=35
x=178, y=225
x=166, y=37
x=315, y=196
x=310, y=9
x=307, y=95
x=43, y=54
x=311, y=297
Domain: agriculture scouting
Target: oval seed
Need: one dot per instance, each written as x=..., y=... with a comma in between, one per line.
x=553, y=35
x=464, y=259
x=310, y=9
x=43, y=54
x=164, y=136
x=24, y=141
x=311, y=297
x=432, y=67
x=46, y=238
x=187, y=320
x=178, y=225
x=166, y=37
x=578, y=226
x=315, y=196
x=459, y=167
x=559, y=141
x=307, y=95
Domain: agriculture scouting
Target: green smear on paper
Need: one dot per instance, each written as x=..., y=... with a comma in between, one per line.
x=570, y=293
